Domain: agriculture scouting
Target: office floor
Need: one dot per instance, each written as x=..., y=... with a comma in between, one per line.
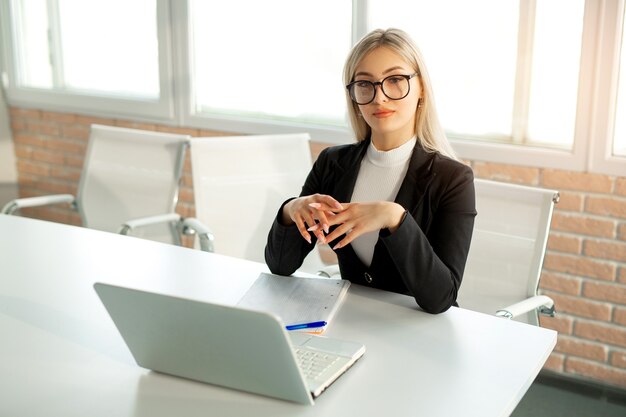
x=552, y=396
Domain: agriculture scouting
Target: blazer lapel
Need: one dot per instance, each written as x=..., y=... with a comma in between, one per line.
x=346, y=172
x=416, y=180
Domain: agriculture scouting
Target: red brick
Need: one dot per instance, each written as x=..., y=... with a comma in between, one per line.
x=80, y=132
x=29, y=140
x=44, y=128
x=178, y=130
x=619, y=316
x=555, y=362
x=27, y=191
x=569, y=201
x=560, y=283
x=603, y=291
x=215, y=133
x=58, y=117
x=65, y=173
x=17, y=125
x=30, y=168
x=507, y=173
x=621, y=231
x=620, y=186
x=618, y=358
x=621, y=276
x=57, y=188
x=187, y=163
x=561, y=323
x=67, y=146
x=608, y=333
x=74, y=161
x=585, y=225
x=582, y=348
x=47, y=156
x=576, y=181
x=579, y=266
x=135, y=125
x=17, y=112
x=23, y=152
x=54, y=215
x=606, y=206
x=89, y=120
x=564, y=243
x=185, y=195
x=186, y=180
x=580, y=307
x=185, y=210
x=593, y=370
x=615, y=251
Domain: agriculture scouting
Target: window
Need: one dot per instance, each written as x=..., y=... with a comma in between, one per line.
x=71, y=46
x=98, y=55
x=619, y=134
x=504, y=75
x=281, y=60
x=530, y=82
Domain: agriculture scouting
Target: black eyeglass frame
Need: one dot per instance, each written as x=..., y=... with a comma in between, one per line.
x=376, y=83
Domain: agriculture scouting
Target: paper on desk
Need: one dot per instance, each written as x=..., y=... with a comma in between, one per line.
x=296, y=300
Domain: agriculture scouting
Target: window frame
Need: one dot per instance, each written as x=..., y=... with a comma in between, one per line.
x=93, y=103
x=602, y=120
x=233, y=123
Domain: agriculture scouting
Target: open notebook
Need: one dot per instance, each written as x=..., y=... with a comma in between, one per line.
x=224, y=345
x=297, y=300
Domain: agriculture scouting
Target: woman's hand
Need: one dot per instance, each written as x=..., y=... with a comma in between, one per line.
x=359, y=218
x=310, y=213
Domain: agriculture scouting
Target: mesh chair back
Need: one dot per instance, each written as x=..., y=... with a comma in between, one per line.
x=508, y=245
x=128, y=174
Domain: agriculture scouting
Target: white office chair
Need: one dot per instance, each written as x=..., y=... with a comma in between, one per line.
x=239, y=184
x=129, y=175
x=506, y=255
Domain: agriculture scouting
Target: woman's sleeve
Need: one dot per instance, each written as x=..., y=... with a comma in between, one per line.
x=286, y=249
x=432, y=265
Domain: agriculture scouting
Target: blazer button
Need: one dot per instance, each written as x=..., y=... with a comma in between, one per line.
x=368, y=278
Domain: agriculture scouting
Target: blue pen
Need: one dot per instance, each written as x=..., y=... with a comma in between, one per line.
x=307, y=325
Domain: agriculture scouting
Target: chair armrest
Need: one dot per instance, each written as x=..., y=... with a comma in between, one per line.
x=544, y=303
x=192, y=226
x=14, y=205
x=128, y=226
x=329, y=271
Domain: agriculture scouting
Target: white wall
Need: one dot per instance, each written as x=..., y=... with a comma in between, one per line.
x=8, y=171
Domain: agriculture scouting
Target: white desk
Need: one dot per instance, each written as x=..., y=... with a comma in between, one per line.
x=60, y=354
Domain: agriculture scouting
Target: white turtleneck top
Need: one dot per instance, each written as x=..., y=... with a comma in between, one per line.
x=380, y=176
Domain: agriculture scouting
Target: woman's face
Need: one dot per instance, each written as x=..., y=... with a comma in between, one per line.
x=392, y=121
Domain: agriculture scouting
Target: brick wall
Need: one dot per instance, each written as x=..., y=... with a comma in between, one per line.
x=585, y=264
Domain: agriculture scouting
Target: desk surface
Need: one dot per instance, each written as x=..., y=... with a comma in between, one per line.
x=62, y=356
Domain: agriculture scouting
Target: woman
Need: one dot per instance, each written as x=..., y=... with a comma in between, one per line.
x=397, y=207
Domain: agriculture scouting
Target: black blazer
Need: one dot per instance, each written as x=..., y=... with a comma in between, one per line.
x=425, y=257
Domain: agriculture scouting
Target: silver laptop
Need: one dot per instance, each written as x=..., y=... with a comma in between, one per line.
x=224, y=345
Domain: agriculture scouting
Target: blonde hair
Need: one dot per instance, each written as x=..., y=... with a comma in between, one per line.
x=427, y=127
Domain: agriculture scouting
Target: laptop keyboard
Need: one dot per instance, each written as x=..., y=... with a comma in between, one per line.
x=313, y=363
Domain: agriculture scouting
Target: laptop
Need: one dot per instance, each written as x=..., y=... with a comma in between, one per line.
x=224, y=345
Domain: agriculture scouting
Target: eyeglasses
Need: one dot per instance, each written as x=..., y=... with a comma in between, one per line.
x=395, y=87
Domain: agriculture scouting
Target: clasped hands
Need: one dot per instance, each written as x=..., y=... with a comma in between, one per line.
x=316, y=213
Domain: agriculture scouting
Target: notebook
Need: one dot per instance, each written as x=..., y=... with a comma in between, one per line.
x=297, y=300
x=229, y=346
